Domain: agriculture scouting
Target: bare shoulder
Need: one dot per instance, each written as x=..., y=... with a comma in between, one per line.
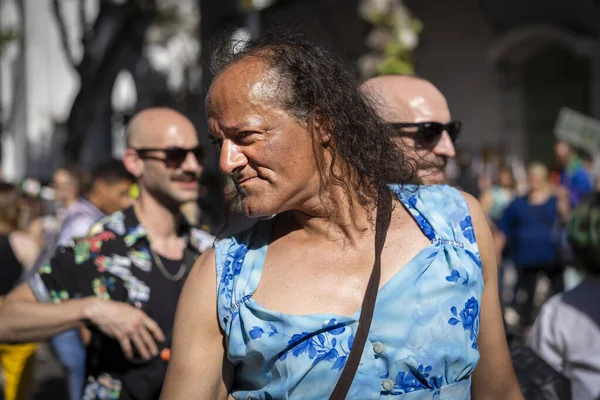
x=26, y=248
x=204, y=266
x=200, y=285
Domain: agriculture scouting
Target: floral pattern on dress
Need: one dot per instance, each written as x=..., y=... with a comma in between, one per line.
x=231, y=269
x=409, y=381
x=324, y=346
x=423, y=337
x=469, y=316
x=467, y=229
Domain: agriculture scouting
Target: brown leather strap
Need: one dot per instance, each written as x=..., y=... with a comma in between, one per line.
x=384, y=212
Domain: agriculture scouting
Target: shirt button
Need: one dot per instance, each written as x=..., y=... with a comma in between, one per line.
x=378, y=347
x=387, y=384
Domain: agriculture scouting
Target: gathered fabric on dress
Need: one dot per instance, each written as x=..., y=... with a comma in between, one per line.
x=423, y=339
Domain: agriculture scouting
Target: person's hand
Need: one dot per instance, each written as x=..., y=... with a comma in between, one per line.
x=127, y=324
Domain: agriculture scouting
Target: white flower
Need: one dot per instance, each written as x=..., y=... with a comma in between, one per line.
x=368, y=8
x=408, y=38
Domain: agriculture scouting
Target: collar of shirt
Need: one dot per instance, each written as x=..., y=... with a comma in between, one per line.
x=195, y=238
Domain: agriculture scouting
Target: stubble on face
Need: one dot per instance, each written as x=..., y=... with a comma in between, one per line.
x=268, y=152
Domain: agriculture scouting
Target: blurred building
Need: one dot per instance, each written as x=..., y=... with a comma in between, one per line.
x=506, y=66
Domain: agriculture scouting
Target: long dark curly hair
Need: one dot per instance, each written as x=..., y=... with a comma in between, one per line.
x=317, y=88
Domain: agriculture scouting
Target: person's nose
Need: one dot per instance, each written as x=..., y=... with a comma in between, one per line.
x=231, y=158
x=445, y=147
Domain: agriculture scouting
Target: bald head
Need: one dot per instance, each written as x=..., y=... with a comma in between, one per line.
x=157, y=128
x=407, y=99
x=398, y=98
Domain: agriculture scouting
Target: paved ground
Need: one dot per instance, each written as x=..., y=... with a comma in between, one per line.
x=48, y=377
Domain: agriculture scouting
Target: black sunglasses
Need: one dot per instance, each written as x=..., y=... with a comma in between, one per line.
x=174, y=156
x=428, y=134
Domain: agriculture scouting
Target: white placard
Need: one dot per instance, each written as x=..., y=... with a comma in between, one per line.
x=578, y=129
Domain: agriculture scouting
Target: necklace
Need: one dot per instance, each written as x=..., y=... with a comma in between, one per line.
x=163, y=270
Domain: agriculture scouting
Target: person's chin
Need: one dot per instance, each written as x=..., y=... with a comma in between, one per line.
x=186, y=197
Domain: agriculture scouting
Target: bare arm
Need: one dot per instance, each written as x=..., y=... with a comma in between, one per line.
x=198, y=367
x=23, y=319
x=25, y=247
x=494, y=377
x=486, y=201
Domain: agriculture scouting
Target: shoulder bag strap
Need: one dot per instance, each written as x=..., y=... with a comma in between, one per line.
x=384, y=211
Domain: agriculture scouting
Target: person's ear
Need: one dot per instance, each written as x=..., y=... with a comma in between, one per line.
x=322, y=129
x=133, y=163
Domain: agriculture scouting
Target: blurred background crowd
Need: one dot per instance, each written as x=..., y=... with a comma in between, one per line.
x=523, y=77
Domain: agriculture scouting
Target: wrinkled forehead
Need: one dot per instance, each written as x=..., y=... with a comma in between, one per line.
x=247, y=83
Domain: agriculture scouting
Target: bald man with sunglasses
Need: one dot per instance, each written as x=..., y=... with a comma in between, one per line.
x=122, y=282
x=419, y=114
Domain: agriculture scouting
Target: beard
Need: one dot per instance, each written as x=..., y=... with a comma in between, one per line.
x=432, y=171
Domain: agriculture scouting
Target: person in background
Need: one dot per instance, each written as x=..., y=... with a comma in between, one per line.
x=567, y=331
x=108, y=193
x=570, y=173
x=418, y=112
x=495, y=200
x=18, y=252
x=528, y=226
x=123, y=280
x=66, y=183
x=466, y=179
x=589, y=165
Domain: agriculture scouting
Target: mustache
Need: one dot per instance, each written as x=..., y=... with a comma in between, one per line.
x=438, y=163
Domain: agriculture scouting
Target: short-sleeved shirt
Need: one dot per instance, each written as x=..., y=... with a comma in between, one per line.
x=115, y=263
x=422, y=343
x=78, y=220
x=531, y=226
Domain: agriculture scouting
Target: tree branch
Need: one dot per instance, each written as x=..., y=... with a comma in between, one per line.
x=64, y=36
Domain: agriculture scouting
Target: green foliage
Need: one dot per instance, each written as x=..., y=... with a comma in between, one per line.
x=397, y=36
x=7, y=36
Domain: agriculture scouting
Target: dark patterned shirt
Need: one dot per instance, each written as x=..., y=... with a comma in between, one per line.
x=115, y=262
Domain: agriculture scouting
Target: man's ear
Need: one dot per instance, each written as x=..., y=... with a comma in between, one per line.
x=322, y=129
x=133, y=163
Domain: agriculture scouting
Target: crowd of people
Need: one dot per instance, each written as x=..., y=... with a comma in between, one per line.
x=372, y=269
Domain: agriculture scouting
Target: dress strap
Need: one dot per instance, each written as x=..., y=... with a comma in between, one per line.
x=442, y=213
x=239, y=264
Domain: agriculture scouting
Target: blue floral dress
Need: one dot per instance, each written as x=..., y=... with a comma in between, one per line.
x=423, y=338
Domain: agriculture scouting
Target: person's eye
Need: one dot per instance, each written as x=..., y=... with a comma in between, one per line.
x=216, y=141
x=244, y=136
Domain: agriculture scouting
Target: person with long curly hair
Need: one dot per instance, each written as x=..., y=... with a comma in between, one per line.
x=274, y=312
